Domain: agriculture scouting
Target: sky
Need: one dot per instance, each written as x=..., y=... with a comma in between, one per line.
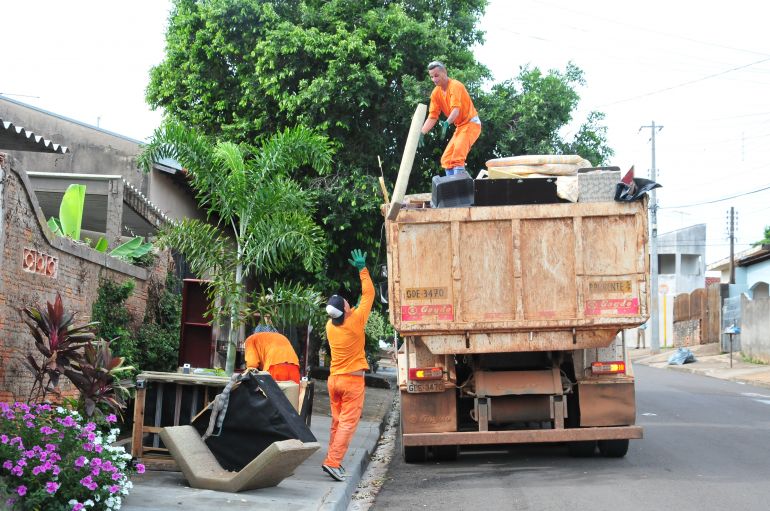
x=699, y=70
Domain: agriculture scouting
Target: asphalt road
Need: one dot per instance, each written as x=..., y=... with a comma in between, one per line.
x=706, y=446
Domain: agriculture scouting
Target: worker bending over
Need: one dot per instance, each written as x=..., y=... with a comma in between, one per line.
x=450, y=98
x=267, y=350
x=345, y=332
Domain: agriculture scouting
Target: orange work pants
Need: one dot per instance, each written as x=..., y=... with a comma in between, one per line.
x=460, y=145
x=284, y=372
x=346, y=396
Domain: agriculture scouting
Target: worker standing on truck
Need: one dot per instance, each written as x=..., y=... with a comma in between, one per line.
x=450, y=98
x=267, y=350
x=345, y=332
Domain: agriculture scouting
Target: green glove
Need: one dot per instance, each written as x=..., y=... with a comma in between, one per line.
x=358, y=259
x=444, y=128
x=421, y=142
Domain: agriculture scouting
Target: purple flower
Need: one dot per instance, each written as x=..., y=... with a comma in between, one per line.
x=21, y=490
x=17, y=471
x=116, y=476
x=55, y=470
x=37, y=470
x=80, y=461
x=77, y=507
x=96, y=471
x=111, y=418
x=4, y=439
x=8, y=464
x=91, y=426
x=51, y=487
x=67, y=421
x=114, y=488
x=139, y=468
x=50, y=447
x=29, y=454
x=22, y=463
x=88, y=447
x=98, y=448
x=96, y=462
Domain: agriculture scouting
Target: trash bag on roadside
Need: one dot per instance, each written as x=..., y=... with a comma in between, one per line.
x=681, y=356
x=635, y=190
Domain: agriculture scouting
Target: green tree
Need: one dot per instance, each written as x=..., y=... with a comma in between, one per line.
x=113, y=318
x=247, y=189
x=765, y=240
x=355, y=71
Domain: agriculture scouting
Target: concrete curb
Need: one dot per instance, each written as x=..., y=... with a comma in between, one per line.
x=713, y=364
x=338, y=499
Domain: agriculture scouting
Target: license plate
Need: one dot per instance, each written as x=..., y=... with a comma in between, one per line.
x=414, y=387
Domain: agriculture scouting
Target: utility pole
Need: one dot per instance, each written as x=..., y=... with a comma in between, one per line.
x=732, y=245
x=654, y=299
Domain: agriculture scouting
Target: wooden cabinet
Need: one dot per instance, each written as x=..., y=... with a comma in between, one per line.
x=197, y=344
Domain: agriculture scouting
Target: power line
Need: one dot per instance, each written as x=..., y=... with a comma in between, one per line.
x=644, y=29
x=684, y=84
x=716, y=200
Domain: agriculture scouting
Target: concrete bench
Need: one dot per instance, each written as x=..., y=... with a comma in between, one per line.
x=202, y=470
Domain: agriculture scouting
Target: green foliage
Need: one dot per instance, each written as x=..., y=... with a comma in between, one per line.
x=765, y=240
x=249, y=191
x=71, y=210
x=110, y=311
x=132, y=250
x=157, y=340
x=242, y=69
x=378, y=327
x=101, y=245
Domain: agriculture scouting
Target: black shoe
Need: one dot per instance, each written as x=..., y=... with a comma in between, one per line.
x=334, y=472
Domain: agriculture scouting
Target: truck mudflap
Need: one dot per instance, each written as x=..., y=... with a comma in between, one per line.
x=526, y=436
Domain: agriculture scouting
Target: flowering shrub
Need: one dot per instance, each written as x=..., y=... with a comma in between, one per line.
x=54, y=459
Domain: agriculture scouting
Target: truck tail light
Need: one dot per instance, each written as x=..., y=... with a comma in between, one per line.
x=425, y=373
x=618, y=367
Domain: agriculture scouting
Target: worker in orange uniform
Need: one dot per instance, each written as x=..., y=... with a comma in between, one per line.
x=267, y=350
x=345, y=332
x=450, y=98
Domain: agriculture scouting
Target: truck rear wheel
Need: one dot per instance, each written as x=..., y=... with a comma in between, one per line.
x=414, y=454
x=446, y=452
x=411, y=454
x=613, y=448
x=582, y=449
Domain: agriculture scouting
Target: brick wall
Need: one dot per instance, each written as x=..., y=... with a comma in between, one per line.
x=35, y=265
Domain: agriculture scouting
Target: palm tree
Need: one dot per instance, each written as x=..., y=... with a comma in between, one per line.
x=247, y=191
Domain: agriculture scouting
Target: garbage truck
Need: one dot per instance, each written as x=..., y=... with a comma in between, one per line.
x=511, y=318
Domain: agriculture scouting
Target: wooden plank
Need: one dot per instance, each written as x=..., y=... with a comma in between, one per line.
x=177, y=403
x=137, y=433
x=407, y=160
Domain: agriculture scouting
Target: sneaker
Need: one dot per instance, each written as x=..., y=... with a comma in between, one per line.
x=334, y=472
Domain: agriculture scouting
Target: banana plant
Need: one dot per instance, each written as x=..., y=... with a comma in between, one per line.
x=131, y=250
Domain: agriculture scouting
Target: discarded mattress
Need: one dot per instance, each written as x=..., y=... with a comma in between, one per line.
x=202, y=470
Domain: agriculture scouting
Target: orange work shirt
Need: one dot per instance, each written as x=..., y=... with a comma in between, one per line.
x=266, y=349
x=455, y=96
x=347, y=340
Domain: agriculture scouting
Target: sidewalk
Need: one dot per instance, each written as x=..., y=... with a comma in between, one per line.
x=308, y=489
x=709, y=362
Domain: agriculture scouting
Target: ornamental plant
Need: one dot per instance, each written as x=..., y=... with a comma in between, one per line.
x=70, y=350
x=55, y=459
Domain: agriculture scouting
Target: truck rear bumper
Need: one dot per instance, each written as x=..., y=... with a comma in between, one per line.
x=526, y=436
